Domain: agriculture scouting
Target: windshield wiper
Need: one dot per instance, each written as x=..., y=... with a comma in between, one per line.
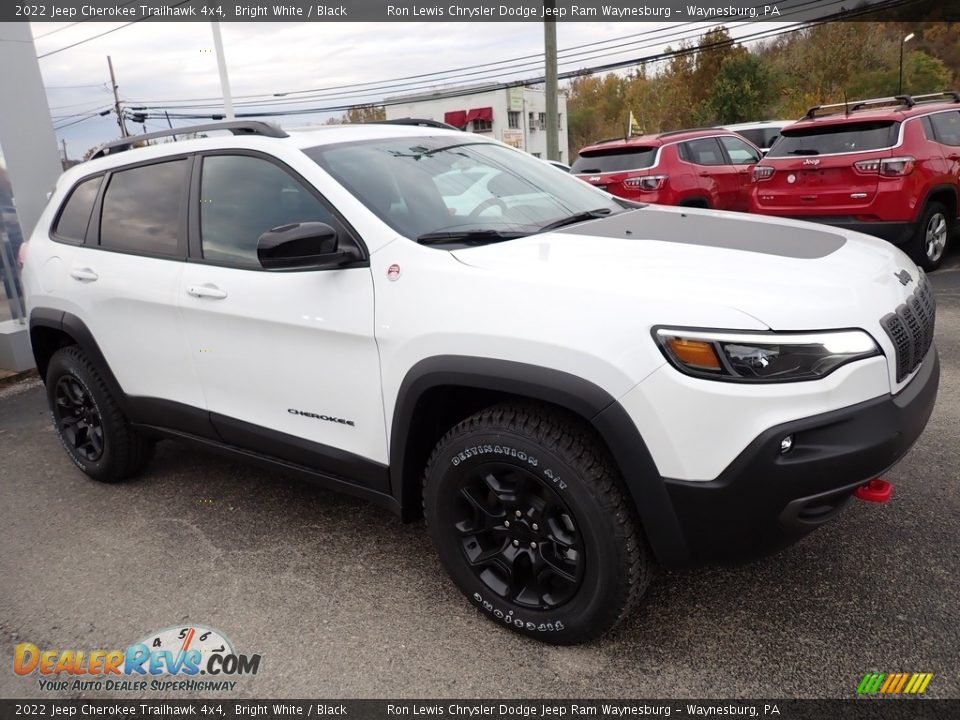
x=576, y=218
x=443, y=237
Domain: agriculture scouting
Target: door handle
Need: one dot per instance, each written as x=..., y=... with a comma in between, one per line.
x=83, y=274
x=206, y=291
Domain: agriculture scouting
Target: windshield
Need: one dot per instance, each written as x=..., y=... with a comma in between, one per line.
x=848, y=137
x=614, y=160
x=430, y=186
x=761, y=137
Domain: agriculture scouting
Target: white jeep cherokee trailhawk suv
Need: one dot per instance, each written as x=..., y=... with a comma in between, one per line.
x=569, y=387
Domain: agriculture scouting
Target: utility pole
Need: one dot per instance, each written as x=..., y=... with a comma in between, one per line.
x=222, y=67
x=116, y=99
x=550, y=74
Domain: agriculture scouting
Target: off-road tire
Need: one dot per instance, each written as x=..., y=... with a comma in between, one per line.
x=545, y=453
x=123, y=451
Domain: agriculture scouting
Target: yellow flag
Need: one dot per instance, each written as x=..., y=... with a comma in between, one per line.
x=634, y=127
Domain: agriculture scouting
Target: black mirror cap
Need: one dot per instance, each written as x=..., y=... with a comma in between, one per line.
x=299, y=246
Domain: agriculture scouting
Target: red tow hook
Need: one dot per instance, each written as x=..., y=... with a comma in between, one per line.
x=877, y=490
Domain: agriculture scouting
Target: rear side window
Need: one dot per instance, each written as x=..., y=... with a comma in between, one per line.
x=829, y=139
x=614, y=160
x=946, y=126
x=141, y=209
x=75, y=215
x=739, y=152
x=705, y=151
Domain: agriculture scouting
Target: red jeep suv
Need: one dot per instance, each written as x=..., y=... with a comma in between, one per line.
x=888, y=167
x=695, y=168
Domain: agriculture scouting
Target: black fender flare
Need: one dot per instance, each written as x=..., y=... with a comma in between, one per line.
x=571, y=392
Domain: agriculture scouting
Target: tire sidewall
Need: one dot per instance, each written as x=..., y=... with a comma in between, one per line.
x=66, y=364
x=454, y=462
x=920, y=241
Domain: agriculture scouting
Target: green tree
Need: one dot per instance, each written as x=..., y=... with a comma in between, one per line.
x=742, y=90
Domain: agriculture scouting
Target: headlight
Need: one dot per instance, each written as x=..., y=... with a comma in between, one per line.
x=762, y=357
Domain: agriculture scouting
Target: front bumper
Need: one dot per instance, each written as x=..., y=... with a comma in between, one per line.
x=765, y=500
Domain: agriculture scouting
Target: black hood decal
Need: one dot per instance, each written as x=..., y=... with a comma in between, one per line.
x=731, y=233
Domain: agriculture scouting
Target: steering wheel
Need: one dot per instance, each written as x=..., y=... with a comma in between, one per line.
x=486, y=205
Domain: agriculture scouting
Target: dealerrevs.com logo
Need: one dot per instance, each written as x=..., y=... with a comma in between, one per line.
x=192, y=658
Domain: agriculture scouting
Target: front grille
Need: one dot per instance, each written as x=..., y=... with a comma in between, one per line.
x=910, y=328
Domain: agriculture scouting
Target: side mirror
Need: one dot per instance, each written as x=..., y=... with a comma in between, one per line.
x=301, y=246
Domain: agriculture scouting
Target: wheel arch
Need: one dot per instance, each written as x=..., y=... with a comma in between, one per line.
x=52, y=329
x=946, y=194
x=440, y=391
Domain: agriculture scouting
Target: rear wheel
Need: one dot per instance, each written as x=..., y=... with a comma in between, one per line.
x=532, y=521
x=932, y=238
x=91, y=426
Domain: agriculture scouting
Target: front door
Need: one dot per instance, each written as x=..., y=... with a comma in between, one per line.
x=287, y=359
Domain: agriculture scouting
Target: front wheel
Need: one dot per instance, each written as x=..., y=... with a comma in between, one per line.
x=91, y=426
x=932, y=236
x=531, y=520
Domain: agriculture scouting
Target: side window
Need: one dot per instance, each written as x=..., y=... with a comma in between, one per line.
x=740, y=153
x=141, y=209
x=705, y=151
x=242, y=197
x=947, y=127
x=75, y=215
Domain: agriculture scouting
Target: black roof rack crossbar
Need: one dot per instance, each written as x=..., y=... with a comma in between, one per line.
x=419, y=122
x=907, y=101
x=237, y=127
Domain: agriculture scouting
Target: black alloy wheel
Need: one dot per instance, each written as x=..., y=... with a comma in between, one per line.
x=78, y=418
x=519, y=537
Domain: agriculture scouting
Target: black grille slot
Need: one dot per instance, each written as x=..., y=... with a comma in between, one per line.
x=910, y=328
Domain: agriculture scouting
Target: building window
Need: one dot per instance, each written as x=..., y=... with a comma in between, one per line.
x=480, y=126
x=543, y=121
x=513, y=120
x=559, y=121
x=536, y=155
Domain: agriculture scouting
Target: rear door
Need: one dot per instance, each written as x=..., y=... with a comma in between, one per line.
x=815, y=167
x=946, y=129
x=743, y=157
x=717, y=179
x=125, y=280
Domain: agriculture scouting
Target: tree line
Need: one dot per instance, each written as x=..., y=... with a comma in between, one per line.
x=718, y=81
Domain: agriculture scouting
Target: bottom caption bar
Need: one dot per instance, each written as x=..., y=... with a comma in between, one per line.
x=864, y=709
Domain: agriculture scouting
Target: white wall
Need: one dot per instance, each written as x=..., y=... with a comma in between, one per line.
x=26, y=130
x=532, y=141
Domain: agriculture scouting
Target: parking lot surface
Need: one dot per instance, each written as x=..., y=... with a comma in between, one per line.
x=342, y=600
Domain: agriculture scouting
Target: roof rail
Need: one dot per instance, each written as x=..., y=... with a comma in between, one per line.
x=237, y=127
x=953, y=95
x=897, y=100
x=419, y=122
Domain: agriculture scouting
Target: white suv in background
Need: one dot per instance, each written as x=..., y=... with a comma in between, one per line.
x=763, y=133
x=570, y=389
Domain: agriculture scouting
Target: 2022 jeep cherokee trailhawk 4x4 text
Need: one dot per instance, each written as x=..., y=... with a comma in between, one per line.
x=569, y=386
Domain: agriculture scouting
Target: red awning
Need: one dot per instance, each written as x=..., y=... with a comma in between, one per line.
x=457, y=118
x=480, y=114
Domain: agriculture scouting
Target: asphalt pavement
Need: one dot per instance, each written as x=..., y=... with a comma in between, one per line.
x=342, y=600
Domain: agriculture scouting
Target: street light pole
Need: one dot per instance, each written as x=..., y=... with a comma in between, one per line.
x=903, y=42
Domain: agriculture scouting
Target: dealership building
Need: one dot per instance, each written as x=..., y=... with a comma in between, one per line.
x=516, y=115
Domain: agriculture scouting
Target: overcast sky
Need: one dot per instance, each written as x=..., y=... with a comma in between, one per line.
x=158, y=61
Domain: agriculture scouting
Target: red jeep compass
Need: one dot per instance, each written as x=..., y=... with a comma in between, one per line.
x=696, y=168
x=888, y=167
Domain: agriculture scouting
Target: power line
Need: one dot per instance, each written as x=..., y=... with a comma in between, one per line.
x=107, y=32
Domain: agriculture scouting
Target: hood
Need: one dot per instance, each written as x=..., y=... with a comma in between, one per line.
x=789, y=275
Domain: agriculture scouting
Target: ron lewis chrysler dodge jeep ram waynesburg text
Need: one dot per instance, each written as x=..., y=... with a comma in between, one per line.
x=570, y=386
